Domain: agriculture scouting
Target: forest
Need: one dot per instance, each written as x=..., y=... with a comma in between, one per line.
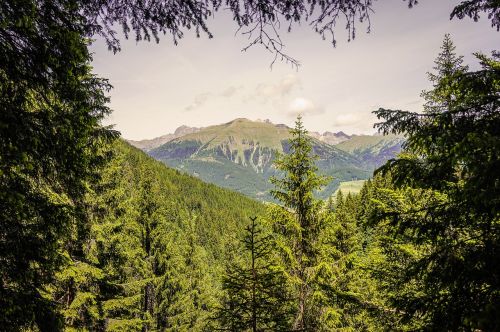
x=95, y=235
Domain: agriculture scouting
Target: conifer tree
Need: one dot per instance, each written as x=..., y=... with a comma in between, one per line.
x=299, y=223
x=76, y=287
x=388, y=252
x=256, y=297
x=130, y=269
x=448, y=68
x=186, y=291
x=452, y=155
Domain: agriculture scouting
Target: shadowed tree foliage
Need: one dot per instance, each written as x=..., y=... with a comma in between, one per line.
x=452, y=156
x=50, y=149
x=474, y=8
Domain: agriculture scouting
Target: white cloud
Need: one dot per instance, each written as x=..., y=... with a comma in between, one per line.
x=202, y=98
x=265, y=92
x=355, y=122
x=347, y=119
x=303, y=106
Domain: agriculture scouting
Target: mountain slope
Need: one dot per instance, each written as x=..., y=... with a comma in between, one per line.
x=374, y=150
x=239, y=155
x=217, y=209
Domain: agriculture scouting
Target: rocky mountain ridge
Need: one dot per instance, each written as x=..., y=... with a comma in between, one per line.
x=149, y=144
x=331, y=138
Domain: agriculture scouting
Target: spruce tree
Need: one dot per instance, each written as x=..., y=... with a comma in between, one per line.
x=448, y=68
x=452, y=156
x=299, y=222
x=256, y=297
x=186, y=288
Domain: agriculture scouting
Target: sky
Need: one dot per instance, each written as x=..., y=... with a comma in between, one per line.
x=202, y=82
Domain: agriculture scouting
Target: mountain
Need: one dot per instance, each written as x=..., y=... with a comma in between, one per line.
x=331, y=138
x=239, y=155
x=374, y=150
x=149, y=144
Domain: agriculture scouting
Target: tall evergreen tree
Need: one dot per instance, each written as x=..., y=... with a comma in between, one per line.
x=299, y=223
x=348, y=291
x=452, y=156
x=186, y=288
x=155, y=275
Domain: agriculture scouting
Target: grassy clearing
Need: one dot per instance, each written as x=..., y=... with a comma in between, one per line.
x=352, y=187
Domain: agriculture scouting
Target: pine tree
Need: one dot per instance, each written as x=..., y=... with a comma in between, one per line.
x=452, y=156
x=299, y=223
x=256, y=297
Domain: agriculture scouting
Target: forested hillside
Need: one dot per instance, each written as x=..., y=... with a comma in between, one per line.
x=154, y=250
x=163, y=251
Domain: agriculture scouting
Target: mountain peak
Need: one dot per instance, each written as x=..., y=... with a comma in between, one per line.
x=183, y=130
x=331, y=138
x=239, y=120
x=149, y=144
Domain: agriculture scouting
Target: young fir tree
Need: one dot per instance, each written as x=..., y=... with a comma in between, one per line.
x=453, y=154
x=298, y=224
x=256, y=297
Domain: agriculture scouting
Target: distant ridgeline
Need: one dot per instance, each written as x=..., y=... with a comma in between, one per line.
x=239, y=154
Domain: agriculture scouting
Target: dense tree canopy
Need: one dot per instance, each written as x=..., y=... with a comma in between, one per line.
x=50, y=148
x=155, y=253
x=451, y=158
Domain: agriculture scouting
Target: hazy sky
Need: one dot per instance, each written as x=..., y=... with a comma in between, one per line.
x=201, y=82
